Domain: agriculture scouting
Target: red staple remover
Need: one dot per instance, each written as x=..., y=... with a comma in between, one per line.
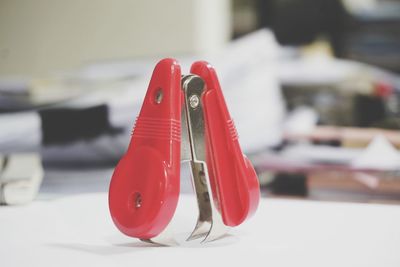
x=183, y=118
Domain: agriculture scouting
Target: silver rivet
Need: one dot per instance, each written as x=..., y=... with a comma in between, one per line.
x=159, y=96
x=194, y=101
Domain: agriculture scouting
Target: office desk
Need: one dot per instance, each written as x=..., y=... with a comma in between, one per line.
x=76, y=230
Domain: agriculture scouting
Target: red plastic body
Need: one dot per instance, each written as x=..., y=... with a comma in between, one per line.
x=233, y=178
x=144, y=188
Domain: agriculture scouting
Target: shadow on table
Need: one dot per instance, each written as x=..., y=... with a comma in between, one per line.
x=129, y=247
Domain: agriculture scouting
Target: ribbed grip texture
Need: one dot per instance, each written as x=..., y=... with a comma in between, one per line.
x=166, y=129
x=232, y=130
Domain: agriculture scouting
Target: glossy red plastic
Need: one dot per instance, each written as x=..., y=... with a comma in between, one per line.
x=144, y=188
x=233, y=179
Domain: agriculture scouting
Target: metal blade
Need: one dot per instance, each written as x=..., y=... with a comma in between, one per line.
x=209, y=223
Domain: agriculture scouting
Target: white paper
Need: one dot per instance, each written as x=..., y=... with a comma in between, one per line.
x=380, y=154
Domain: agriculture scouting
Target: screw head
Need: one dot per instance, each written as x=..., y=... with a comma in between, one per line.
x=158, y=96
x=138, y=200
x=194, y=101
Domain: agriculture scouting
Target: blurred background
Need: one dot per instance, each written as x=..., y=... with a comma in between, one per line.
x=313, y=87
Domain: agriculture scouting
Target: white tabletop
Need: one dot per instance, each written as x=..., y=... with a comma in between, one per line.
x=77, y=231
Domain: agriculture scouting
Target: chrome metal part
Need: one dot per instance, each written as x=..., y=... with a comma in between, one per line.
x=209, y=223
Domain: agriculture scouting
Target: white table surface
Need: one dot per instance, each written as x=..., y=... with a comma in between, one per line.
x=77, y=231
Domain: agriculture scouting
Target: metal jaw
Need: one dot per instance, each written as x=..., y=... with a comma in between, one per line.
x=209, y=224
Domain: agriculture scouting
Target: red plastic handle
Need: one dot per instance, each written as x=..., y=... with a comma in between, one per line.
x=144, y=188
x=233, y=179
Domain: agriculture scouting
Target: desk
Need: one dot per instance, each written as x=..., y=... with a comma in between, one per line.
x=76, y=230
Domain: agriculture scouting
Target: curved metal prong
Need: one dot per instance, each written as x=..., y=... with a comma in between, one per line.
x=209, y=223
